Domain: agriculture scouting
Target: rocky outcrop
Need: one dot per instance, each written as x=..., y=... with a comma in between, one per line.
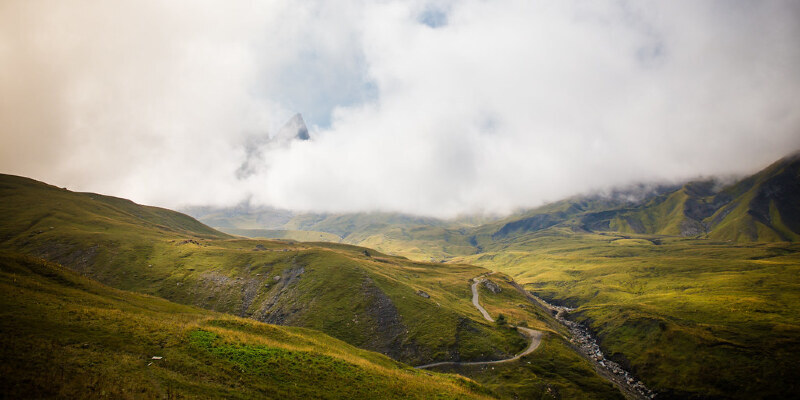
x=493, y=287
x=80, y=259
x=272, y=310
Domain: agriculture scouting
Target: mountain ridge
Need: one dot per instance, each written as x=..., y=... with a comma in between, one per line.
x=760, y=207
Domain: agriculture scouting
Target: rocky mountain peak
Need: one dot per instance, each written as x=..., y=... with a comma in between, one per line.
x=295, y=128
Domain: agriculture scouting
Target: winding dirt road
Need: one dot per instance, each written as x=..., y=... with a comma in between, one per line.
x=534, y=335
x=476, y=301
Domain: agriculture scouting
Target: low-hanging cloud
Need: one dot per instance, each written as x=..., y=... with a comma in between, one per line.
x=426, y=107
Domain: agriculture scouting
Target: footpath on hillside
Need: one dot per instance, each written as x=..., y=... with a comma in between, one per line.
x=534, y=335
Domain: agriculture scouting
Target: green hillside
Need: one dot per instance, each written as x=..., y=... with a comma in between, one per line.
x=766, y=206
x=358, y=295
x=34, y=208
x=760, y=208
x=67, y=336
x=414, y=312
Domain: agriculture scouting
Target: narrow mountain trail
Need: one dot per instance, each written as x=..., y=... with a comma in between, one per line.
x=476, y=301
x=534, y=335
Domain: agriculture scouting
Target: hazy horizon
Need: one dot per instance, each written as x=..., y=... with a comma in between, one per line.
x=434, y=108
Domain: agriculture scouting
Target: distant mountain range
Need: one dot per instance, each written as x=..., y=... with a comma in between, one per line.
x=763, y=207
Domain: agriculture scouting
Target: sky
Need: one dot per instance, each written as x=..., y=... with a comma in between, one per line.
x=435, y=108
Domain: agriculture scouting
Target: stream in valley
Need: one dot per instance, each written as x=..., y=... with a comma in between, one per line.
x=582, y=339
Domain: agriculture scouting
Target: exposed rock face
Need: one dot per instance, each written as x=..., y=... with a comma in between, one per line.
x=423, y=294
x=250, y=288
x=79, y=259
x=271, y=310
x=492, y=286
x=387, y=330
x=690, y=227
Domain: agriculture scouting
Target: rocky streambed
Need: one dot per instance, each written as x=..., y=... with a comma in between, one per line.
x=582, y=339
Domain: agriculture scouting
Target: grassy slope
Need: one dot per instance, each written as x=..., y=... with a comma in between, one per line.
x=691, y=317
x=366, y=300
x=358, y=295
x=759, y=208
x=33, y=207
x=765, y=206
x=68, y=336
x=663, y=216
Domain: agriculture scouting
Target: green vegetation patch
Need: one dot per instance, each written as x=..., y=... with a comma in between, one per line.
x=277, y=367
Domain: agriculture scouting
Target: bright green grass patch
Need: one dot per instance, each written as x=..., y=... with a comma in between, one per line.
x=276, y=367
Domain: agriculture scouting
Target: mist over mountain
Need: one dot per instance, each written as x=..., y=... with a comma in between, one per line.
x=380, y=199
x=759, y=207
x=435, y=108
x=258, y=147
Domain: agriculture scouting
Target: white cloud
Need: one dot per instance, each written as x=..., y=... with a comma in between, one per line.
x=498, y=105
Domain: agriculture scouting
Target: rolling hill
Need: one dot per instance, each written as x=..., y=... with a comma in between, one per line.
x=358, y=295
x=68, y=336
x=414, y=312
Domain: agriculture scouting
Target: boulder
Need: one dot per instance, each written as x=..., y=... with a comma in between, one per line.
x=491, y=286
